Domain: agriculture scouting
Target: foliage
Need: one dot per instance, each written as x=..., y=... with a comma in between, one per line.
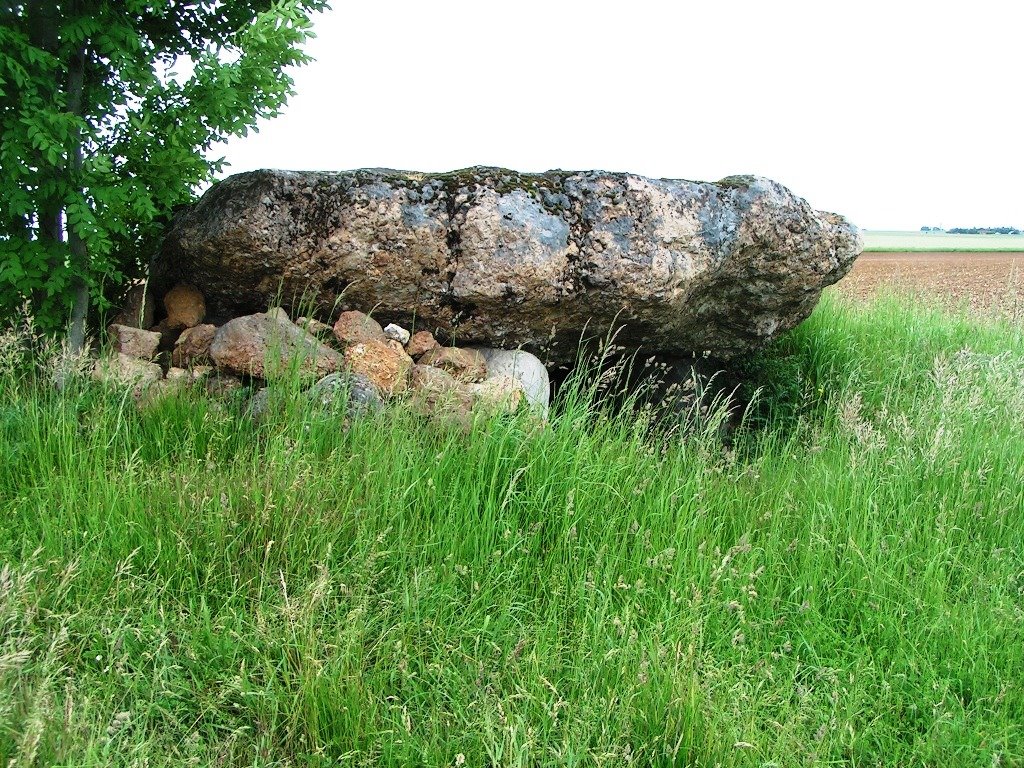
x=143, y=131
x=182, y=586
x=774, y=384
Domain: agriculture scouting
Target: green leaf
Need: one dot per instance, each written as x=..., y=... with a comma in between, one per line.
x=142, y=139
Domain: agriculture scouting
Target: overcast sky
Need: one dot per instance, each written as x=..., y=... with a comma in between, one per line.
x=897, y=114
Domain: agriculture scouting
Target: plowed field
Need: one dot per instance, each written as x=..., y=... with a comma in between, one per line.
x=985, y=282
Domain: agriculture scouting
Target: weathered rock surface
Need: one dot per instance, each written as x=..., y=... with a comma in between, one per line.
x=263, y=344
x=386, y=367
x=496, y=258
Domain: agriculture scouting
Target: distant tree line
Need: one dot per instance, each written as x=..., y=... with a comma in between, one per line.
x=976, y=230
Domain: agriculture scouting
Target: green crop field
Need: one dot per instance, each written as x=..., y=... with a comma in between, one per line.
x=878, y=240
x=839, y=584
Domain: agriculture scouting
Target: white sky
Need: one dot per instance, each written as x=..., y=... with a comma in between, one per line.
x=897, y=114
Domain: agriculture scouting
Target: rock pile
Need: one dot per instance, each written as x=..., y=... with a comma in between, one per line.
x=371, y=363
x=686, y=274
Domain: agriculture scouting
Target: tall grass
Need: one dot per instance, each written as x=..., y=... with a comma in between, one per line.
x=843, y=585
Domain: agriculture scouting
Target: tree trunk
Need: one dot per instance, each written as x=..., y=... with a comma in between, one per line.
x=42, y=27
x=43, y=16
x=79, y=254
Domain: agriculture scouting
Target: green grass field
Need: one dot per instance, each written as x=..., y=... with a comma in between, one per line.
x=841, y=586
x=939, y=241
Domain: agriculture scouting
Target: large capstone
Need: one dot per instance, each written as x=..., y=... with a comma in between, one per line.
x=500, y=259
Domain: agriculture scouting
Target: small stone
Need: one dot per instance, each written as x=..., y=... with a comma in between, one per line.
x=466, y=365
x=156, y=391
x=400, y=349
x=527, y=369
x=355, y=327
x=178, y=374
x=259, y=404
x=435, y=391
x=125, y=370
x=427, y=377
x=499, y=394
x=421, y=341
x=362, y=395
x=387, y=368
x=185, y=306
x=261, y=345
x=314, y=326
x=398, y=333
x=222, y=385
x=134, y=342
x=193, y=346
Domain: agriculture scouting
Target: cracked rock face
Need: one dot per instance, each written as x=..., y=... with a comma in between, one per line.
x=495, y=258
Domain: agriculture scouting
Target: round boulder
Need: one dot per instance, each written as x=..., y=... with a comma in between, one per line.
x=523, y=367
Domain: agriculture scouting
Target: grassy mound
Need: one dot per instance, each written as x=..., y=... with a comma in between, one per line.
x=843, y=585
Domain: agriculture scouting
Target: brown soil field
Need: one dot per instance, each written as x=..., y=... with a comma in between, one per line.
x=984, y=282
